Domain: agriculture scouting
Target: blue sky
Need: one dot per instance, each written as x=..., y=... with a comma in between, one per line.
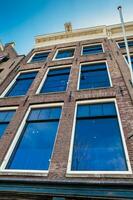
x=21, y=20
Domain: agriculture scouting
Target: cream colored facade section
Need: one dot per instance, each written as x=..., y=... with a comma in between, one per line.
x=112, y=31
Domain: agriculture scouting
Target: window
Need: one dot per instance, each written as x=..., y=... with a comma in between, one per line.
x=93, y=76
x=64, y=53
x=21, y=84
x=37, y=57
x=34, y=147
x=98, y=144
x=56, y=80
x=122, y=44
x=131, y=56
x=5, y=118
x=92, y=49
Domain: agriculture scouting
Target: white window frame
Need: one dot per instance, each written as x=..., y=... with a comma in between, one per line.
x=122, y=42
x=45, y=77
x=87, y=63
x=93, y=44
x=38, y=52
x=13, y=81
x=86, y=173
x=60, y=49
x=16, y=138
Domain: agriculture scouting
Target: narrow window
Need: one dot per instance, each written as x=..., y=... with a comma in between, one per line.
x=56, y=80
x=34, y=147
x=122, y=44
x=67, y=53
x=22, y=84
x=40, y=57
x=131, y=57
x=92, y=49
x=94, y=76
x=5, y=118
x=97, y=143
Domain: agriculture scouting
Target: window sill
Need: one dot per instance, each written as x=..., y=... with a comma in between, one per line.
x=51, y=93
x=99, y=174
x=5, y=97
x=24, y=172
x=99, y=88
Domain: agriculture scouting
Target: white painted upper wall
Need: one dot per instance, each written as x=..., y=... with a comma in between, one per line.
x=111, y=31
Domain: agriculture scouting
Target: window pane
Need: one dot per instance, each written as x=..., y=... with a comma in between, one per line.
x=65, y=53
x=22, y=84
x=56, y=81
x=88, y=50
x=3, y=128
x=5, y=118
x=40, y=57
x=98, y=145
x=34, y=148
x=45, y=113
x=94, y=76
x=122, y=44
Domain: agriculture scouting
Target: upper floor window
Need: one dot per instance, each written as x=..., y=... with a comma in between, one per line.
x=95, y=75
x=92, y=49
x=98, y=144
x=34, y=147
x=21, y=84
x=122, y=44
x=56, y=80
x=64, y=53
x=5, y=118
x=37, y=57
x=131, y=57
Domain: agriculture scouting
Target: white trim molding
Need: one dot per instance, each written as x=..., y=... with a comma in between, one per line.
x=86, y=173
x=3, y=169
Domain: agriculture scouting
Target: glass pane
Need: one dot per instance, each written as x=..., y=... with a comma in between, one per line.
x=20, y=87
x=35, y=147
x=40, y=57
x=5, y=116
x=3, y=128
x=98, y=146
x=45, y=113
x=56, y=83
x=94, y=76
x=92, y=49
x=27, y=75
x=65, y=53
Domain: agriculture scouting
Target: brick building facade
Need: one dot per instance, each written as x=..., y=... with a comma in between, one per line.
x=84, y=54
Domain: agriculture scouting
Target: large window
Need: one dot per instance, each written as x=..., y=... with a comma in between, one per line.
x=34, y=147
x=37, y=57
x=95, y=75
x=5, y=118
x=56, y=80
x=92, y=49
x=21, y=84
x=64, y=53
x=131, y=57
x=122, y=44
x=98, y=144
